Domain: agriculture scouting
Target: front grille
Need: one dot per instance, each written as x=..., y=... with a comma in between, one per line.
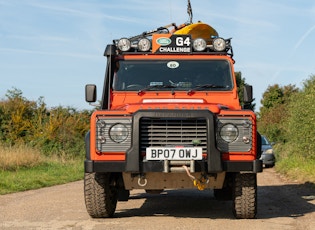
x=167, y=132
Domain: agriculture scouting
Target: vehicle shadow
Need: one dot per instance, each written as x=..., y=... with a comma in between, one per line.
x=293, y=200
x=273, y=201
x=180, y=203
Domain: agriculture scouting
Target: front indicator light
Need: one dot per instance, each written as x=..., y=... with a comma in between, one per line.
x=246, y=140
x=118, y=133
x=229, y=133
x=102, y=139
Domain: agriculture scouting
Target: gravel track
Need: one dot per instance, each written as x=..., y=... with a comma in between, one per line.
x=281, y=205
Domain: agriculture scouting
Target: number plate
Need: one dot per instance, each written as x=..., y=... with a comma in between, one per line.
x=175, y=153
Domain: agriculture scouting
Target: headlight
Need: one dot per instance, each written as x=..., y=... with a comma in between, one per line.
x=268, y=151
x=199, y=44
x=219, y=44
x=229, y=133
x=118, y=133
x=144, y=44
x=124, y=44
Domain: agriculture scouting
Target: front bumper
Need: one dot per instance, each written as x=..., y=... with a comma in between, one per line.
x=268, y=159
x=158, y=166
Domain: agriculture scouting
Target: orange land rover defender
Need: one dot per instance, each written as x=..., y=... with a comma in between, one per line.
x=170, y=118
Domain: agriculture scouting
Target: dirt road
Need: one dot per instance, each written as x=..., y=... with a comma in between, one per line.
x=281, y=205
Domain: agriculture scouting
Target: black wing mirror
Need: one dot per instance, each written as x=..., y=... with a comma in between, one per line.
x=248, y=94
x=90, y=93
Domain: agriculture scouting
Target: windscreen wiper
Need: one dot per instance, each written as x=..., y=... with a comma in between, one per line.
x=156, y=87
x=206, y=86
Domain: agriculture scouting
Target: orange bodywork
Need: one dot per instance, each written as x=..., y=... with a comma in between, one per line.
x=125, y=100
x=113, y=156
x=128, y=109
x=221, y=103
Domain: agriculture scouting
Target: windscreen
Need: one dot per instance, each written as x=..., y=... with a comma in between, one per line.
x=264, y=141
x=177, y=75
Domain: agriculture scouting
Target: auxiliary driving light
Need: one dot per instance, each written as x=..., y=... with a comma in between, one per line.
x=219, y=44
x=199, y=44
x=144, y=44
x=124, y=44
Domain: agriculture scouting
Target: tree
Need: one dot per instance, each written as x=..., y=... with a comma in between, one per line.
x=300, y=123
x=274, y=111
x=16, y=117
x=53, y=130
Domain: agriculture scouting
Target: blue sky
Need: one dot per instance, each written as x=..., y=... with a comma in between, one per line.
x=53, y=48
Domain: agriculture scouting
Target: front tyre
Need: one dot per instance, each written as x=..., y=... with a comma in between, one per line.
x=245, y=195
x=100, y=193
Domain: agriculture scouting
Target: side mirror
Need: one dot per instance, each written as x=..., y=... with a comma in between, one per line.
x=90, y=93
x=248, y=94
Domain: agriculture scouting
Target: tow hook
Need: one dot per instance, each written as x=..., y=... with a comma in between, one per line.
x=199, y=183
x=142, y=181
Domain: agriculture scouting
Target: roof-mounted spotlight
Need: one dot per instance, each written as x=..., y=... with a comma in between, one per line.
x=199, y=44
x=219, y=44
x=144, y=44
x=124, y=44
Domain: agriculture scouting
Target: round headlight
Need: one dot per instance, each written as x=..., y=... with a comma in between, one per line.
x=199, y=44
x=124, y=44
x=219, y=44
x=118, y=133
x=144, y=44
x=268, y=151
x=229, y=133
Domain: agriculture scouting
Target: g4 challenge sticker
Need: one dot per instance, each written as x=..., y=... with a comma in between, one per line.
x=173, y=44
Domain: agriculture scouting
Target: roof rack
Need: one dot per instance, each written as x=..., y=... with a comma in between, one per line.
x=181, y=39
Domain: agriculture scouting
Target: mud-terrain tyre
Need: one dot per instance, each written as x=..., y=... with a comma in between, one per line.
x=100, y=194
x=245, y=195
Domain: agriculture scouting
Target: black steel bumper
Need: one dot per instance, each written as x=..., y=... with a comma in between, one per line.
x=158, y=166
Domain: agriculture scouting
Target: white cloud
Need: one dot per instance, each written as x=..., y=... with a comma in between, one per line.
x=39, y=52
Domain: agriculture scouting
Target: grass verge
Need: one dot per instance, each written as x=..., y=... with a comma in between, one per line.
x=50, y=173
x=16, y=157
x=297, y=169
x=294, y=166
x=23, y=168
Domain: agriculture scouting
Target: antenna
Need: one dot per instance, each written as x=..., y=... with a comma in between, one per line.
x=189, y=12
